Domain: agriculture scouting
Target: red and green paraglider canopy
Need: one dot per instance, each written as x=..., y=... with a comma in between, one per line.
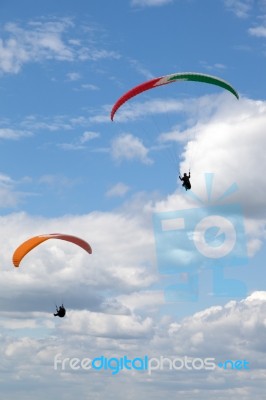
x=164, y=80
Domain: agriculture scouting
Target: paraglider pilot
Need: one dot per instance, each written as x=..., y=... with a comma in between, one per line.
x=60, y=312
x=186, y=181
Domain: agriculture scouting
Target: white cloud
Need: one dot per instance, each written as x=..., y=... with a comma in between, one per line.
x=148, y=300
x=106, y=325
x=89, y=135
x=51, y=124
x=118, y=190
x=40, y=41
x=150, y=3
x=256, y=234
x=138, y=110
x=234, y=331
x=58, y=181
x=129, y=147
x=10, y=196
x=89, y=86
x=73, y=76
x=229, y=142
x=231, y=326
x=240, y=7
x=66, y=267
x=259, y=31
x=79, y=144
x=95, y=55
x=232, y=142
x=216, y=66
x=111, y=309
x=71, y=146
x=141, y=69
x=13, y=134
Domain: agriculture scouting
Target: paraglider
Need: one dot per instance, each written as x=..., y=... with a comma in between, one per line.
x=186, y=181
x=164, y=80
x=31, y=243
x=60, y=312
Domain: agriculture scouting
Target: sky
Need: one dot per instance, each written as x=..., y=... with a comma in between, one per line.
x=154, y=284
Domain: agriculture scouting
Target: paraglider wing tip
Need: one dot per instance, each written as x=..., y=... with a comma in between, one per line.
x=16, y=264
x=114, y=109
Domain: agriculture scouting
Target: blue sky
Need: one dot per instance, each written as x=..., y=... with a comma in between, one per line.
x=65, y=167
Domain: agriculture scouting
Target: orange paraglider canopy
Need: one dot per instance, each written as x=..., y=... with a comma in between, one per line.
x=29, y=244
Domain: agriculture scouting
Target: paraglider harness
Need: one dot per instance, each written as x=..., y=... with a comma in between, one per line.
x=60, y=312
x=186, y=181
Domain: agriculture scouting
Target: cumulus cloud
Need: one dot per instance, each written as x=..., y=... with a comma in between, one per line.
x=111, y=307
x=234, y=331
x=65, y=266
x=107, y=325
x=228, y=142
x=129, y=147
x=244, y=318
x=221, y=135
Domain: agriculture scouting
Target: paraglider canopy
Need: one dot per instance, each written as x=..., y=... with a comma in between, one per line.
x=31, y=243
x=164, y=80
